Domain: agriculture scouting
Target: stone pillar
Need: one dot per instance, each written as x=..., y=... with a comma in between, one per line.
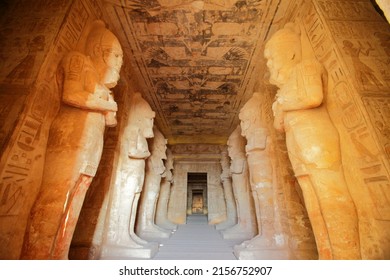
x=313, y=142
x=246, y=226
x=270, y=243
x=146, y=227
x=165, y=192
x=177, y=205
x=75, y=144
x=216, y=207
x=231, y=210
x=119, y=238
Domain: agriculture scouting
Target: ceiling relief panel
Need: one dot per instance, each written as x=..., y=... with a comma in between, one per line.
x=195, y=60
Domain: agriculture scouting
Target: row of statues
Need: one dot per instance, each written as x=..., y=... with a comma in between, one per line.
x=74, y=150
x=134, y=221
x=314, y=151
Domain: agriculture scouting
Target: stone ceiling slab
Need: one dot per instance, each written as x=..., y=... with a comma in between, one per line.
x=195, y=60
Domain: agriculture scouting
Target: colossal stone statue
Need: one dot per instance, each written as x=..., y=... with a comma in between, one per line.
x=246, y=226
x=226, y=178
x=120, y=240
x=268, y=244
x=162, y=204
x=75, y=144
x=312, y=142
x=146, y=227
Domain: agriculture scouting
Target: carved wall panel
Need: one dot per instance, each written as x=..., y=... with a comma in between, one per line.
x=35, y=43
x=357, y=86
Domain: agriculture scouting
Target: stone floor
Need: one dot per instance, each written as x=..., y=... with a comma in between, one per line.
x=196, y=240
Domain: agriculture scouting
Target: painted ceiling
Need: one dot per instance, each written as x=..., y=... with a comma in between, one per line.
x=197, y=61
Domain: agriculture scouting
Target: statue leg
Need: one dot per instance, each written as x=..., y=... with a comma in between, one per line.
x=133, y=217
x=265, y=218
x=316, y=218
x=246, y=227
x=54, y=216
x=121, y=241
x=154, y=217
x=69, y=218
x=339, y=212
x=257, y=202
x=146, y=227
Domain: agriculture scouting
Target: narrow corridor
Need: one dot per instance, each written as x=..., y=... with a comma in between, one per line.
x=196, y=240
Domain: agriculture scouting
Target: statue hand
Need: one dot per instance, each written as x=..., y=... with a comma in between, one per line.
x=112, y=106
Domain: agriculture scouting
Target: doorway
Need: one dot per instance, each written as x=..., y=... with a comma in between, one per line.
x=197, y=193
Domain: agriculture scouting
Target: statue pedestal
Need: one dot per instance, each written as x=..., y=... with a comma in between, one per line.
x=113, y=252
x=152, y=232
x=243, y=253
x=167, y=225
x=237, y=232
x=225, y=225
x=262, y=248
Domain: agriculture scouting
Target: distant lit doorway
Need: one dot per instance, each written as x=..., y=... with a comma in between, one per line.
x=197, y=193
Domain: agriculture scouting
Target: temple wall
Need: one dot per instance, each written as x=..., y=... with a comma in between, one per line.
x=349, y=39
x=35, y=39
x=346, y=40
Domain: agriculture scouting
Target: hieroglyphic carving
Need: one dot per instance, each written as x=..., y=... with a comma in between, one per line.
x=379, y=110
x=376, y=177
x=347, y=10
x=342, y=93
x=367, y=168
x=75, y=25
x=300, y=110
x=195, y=149
x=193, y=59
x=29, y=25
x=356, y=32
x=26, y=37
x=17, y=169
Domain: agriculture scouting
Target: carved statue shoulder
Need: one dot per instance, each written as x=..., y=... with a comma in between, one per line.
x=311, y=70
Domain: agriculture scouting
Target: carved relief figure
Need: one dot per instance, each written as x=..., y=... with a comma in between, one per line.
x=21, y=73
x=312, y=142
x=75, y=143
x=246, y=226
x=364, y=74
x=162, y=204
x=121, y=240
x=146, y=227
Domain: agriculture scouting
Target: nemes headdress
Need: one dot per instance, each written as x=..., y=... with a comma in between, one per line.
x=100, y=36
x=251, y=106
x=141, y=108
x=289, y=33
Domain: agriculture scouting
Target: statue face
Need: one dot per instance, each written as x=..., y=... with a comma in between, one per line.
x=245, y=125
x=232, y=148
x=147, y=127
x=280, y=61
x=162, y=148
x=113, y=59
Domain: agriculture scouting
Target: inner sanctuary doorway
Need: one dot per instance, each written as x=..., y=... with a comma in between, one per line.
x=196, y=193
